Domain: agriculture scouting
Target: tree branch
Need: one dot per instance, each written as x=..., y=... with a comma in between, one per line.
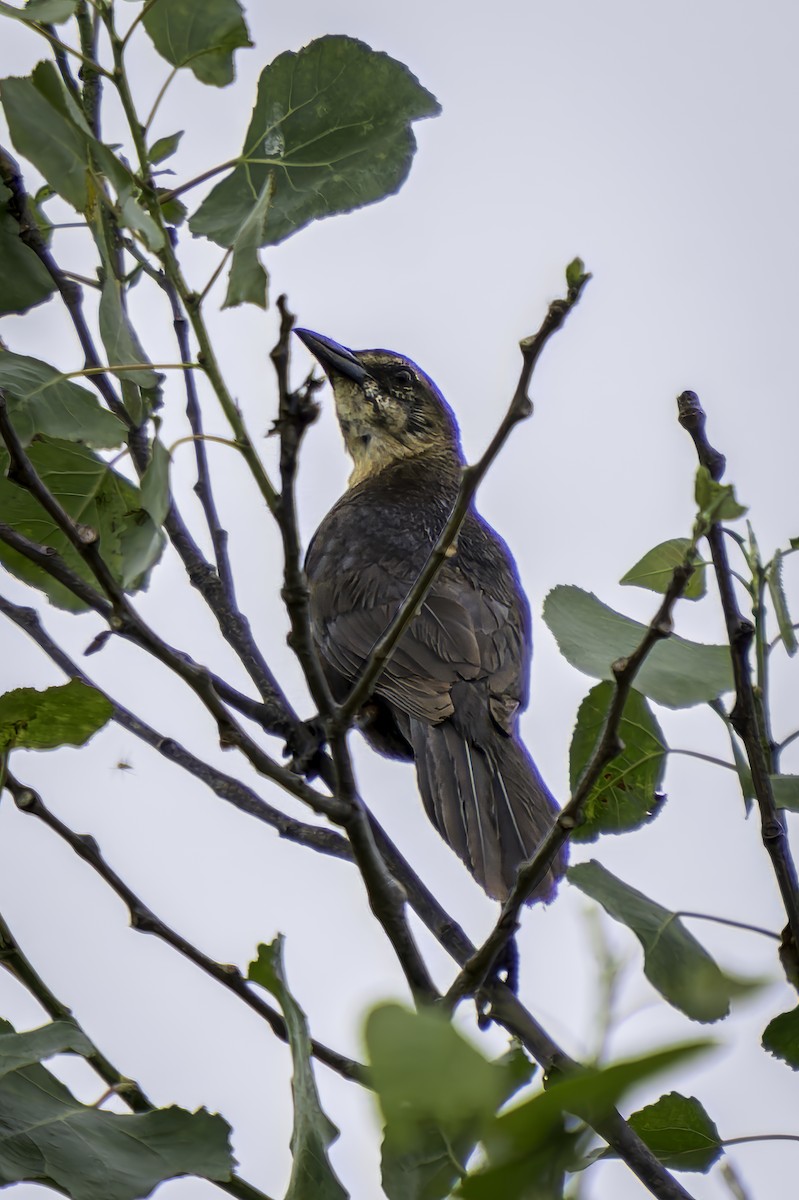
x=386, y=899
x=144, y=920
x=519, y=409
x=747, y=715
x=226, y=787
x=607, y=747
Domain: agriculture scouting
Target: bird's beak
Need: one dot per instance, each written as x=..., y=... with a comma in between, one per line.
x=334, y=359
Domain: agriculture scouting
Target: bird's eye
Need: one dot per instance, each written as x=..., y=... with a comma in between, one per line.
x=403, y=375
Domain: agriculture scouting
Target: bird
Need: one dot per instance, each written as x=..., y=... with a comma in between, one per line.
x=450, y=697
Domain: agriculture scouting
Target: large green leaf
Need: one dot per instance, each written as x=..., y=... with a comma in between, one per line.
x=89, y=1154
x=311, y=1172
x=591, y=636
x=626, y=795
x=679, y=1131
x=333, y=122
x=674, y=961
x=425, y=1071
x=94, y=495
x=781, y=1038
x=655, y=570
x=23, y=1049
x=44, y=133
x=202, y=36
x=59, y=716
x=121, y=341
x=529, y=1147
x=428, y=1169
x=41, y=400
x=437, y=1094
x=49, y=12
x=24, y=280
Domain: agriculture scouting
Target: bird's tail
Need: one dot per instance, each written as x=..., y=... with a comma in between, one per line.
x=488, y=802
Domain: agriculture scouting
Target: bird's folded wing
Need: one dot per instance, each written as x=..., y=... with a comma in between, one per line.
x=459, y=634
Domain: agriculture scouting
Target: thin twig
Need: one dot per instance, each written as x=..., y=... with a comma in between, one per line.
x=519, y=409
x=226, y=787
x=747, y=714
x=144, y=920
x=124, y=620
x=607, y=747
x=296, y=412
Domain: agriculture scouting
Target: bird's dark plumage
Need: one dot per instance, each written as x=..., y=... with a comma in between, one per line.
x=450, y=697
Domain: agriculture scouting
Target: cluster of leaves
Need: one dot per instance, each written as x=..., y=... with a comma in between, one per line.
x=330, y=131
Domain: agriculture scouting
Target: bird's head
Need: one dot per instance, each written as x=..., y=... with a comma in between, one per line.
x=388, y=409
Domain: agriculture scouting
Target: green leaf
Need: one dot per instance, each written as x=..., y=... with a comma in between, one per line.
x=120, y=339
x=529, y=1147
x=59, y=716
x=424, y=1070
x=46, y=12
x=655, y=570
x=591, y=636
x=164, y=147
x=51, y=1138
x=154, y=485
x=311, y=1172
x=133, y=216
x=715, y=501
x=626, y=796
x=23, y=1049
x=780, y=602
x=41, y=400
x=24, y=280
x=674, y=961
x=173, y=211
x=41, y=130
x=202, y=37
x=786, y=791
x=678, y=1130
x=428, y=1171
x=248, y=280
x=333, y=122
x=781, y=1038
x=436, y=1092
x=94, y=495
x=575, y=273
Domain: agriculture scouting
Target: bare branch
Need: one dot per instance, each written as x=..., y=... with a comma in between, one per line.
x=386, y=899
x=520, y=407
x=607, y=747
x=144, y=920
x=747, y=716
x=228, y=788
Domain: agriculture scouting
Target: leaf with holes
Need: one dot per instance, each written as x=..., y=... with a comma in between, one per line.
x=333, y=123
x=626, y=795
x=58, y=716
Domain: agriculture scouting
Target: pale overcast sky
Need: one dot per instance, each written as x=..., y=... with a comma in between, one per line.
x=658, y=142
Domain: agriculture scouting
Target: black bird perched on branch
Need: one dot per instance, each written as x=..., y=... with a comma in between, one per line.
x=451, y=694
